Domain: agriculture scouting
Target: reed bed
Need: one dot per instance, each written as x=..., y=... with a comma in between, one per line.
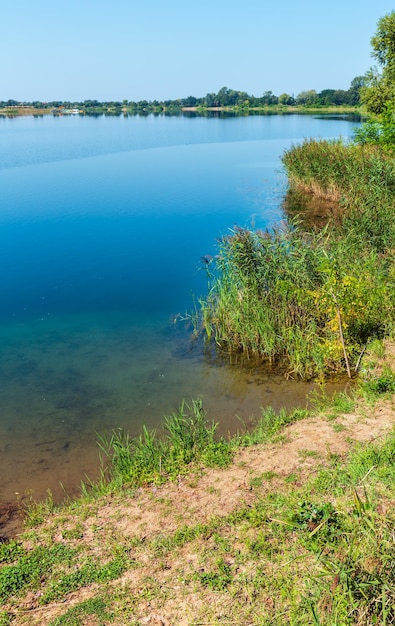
x=310, y=301
x=351, y=174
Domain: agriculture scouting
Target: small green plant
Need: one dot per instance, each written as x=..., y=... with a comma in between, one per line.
x=85, y=575
x=312, y=517
x=218, y=580
x=385, y=383
x=10, y=551
x=5, y=618
x=31, y=567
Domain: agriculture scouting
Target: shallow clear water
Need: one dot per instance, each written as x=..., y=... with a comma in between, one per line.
x=103, y=223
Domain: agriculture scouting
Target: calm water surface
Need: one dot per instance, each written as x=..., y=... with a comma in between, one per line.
x=103, y=222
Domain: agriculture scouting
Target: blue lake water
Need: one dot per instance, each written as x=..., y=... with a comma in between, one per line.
x=103, y=223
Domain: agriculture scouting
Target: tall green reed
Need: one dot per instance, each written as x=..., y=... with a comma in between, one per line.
x=306, y=301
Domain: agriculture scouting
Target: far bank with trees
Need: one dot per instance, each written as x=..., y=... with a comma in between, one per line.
x=225, y=99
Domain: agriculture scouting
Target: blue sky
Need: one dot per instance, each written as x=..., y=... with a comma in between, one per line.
x=166, y=49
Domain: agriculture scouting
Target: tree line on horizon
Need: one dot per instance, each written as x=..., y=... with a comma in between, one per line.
x=225, y=97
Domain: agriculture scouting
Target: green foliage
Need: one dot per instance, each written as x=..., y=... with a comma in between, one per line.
x=355, y=175
x=5, y=618
x=377, y=93
x=320, y=521
x=77, y=615
x=384, y=383
x=378, y=90
x=10, y=551
x=310, y=301
x=270, y=424
x=31, y=567
x=86, y=574
x=379, y=130
x=149, y=458
x=356, y=582
x=383, y=42
x=217, y=580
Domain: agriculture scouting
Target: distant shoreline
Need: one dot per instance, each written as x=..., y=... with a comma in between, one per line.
x=20, y=111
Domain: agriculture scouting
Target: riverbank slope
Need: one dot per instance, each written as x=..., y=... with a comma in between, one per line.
x=262, y=541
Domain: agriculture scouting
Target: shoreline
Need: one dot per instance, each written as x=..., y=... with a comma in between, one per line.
x=16, y=111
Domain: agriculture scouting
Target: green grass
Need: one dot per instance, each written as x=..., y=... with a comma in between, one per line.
x=382, y=384
x=356, y=175
x=92, y=608
x=268, y=426
x=187, y=439
x=28, y=568
x=88, y=573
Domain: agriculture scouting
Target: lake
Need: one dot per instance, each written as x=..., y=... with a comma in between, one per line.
x=104, y=221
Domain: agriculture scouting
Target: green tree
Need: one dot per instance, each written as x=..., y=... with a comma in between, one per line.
x=325, y=97
x=269, y=98
x=379, y=89
x=286, y=99
x=307, y=98
x=354, y=92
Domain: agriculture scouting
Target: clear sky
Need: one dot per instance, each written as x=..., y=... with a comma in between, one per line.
x=166, y=49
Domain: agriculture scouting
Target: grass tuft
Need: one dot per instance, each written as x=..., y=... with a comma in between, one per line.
x=187, y=437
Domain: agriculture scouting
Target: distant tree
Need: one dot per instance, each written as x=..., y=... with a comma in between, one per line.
x=354, y=92
x=268, y=98
x=190, y=101
x=286, y=99
x=307, y=98
x=88, y=104
x=209, y=99
x=325, y=97
x=221, y=99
